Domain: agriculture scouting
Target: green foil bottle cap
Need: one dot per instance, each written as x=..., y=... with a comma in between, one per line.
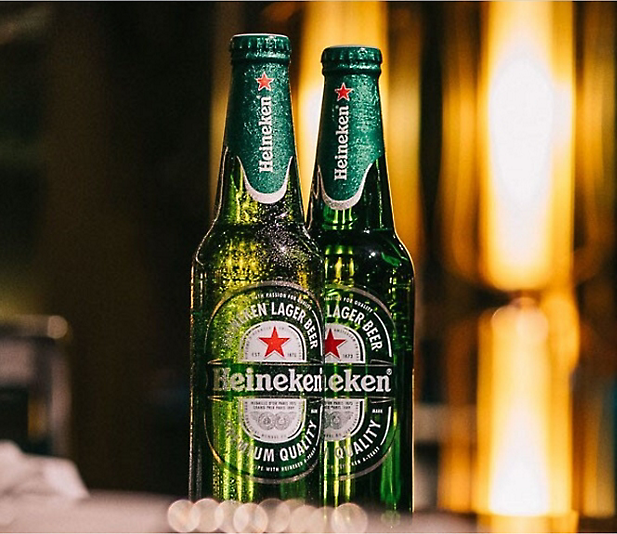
x=348, y=58
x=260, y=46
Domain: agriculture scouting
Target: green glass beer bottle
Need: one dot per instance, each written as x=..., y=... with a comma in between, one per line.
x=369, y=294
x=256, y=313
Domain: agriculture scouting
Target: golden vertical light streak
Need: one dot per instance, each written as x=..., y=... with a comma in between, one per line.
x=595, y=424
x=523, y=205
x=527, y=353
x=458, y=190
x=456, y=480
x=458, y=199
x=513, y=399
x=526, y=194
x=403, y=126
x=325, y=24
x=595, y=146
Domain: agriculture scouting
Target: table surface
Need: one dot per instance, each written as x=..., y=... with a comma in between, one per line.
x=113, y=511
x=108, y=511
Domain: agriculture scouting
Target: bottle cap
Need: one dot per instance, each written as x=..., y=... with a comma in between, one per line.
x=260, y=46
x=351, y=58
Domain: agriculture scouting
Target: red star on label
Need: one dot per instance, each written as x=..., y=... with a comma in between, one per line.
x=275, y=343
x=264, y=82
x=343, y=92
x=332, y=344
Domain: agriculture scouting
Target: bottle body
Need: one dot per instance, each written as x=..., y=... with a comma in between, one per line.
x=256, y=311
x=369, y=295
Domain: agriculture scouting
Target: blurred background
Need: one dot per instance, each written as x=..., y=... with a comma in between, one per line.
x=500, y=138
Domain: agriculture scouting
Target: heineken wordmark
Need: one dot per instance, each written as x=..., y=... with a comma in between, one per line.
x=369, y=293
x=257, y=380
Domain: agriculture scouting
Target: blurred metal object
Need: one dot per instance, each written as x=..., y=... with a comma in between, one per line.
x=35, y=394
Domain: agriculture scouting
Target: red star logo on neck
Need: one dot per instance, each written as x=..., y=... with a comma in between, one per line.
x=275, y=343
x=332, y=344
x=264, y=82
x=343, y=92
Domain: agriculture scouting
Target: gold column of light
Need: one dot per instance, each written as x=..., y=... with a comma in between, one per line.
x=526, y=244
x=459, y=185
x=595, y=131
x=526, y=196
x=527, y=352
x=595, y=492
x=457, y=212
x=403, y=125
x=507, y=201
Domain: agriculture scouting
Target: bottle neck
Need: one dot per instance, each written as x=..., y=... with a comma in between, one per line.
x=350, y=184
x=258, y=181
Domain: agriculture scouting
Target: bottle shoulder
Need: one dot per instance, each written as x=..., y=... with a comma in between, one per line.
x=369, y=243
x=265, y=244
x=372, y=260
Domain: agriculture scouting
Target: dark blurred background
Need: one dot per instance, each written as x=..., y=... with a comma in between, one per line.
x=110, y=115
x=103, y=198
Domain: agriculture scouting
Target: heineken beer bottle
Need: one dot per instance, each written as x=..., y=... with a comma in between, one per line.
x=369, y=293
x=256, y=316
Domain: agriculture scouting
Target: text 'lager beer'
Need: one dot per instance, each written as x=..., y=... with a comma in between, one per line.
x=369, y=295
x=256, y=316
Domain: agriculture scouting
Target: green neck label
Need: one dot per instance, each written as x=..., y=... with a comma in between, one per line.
x=350, y=137
x=259, y=129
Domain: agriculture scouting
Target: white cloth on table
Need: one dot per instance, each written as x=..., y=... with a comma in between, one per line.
x=25, y=474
